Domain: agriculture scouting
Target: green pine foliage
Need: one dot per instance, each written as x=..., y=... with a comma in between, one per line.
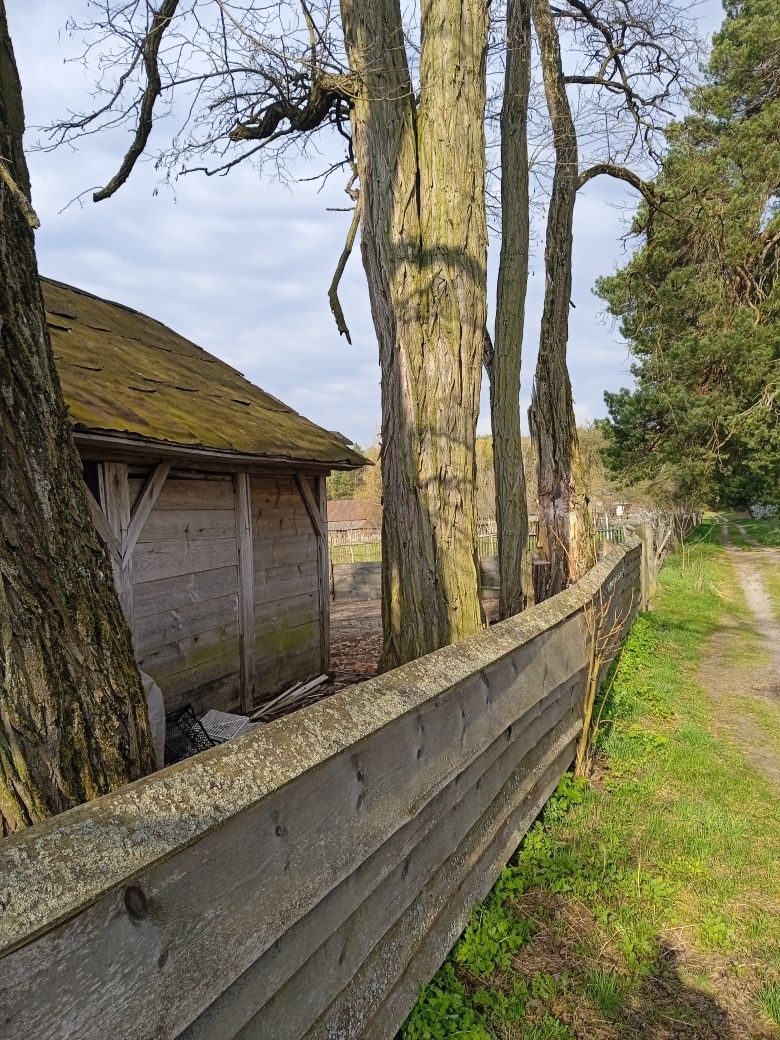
x=699, y=303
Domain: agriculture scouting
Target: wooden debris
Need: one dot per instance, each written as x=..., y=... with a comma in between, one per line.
x=297, y=696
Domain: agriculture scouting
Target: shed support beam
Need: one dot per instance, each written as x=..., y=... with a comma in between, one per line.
x=107, y=536
x=119, y=526
x=144, y=505
x=115, y=499
x=324, y=574
x=317, y=507
x=312, y=505
x=246, y=588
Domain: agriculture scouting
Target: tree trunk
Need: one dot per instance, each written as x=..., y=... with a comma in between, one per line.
x=73, y=721
x=565, y=526
x=424, y=247
x=504, y=362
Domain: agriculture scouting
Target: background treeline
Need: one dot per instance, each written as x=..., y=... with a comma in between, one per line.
x=605, y=489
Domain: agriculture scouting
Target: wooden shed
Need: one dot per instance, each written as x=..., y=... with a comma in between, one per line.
x=353, y=514
x=210, y=496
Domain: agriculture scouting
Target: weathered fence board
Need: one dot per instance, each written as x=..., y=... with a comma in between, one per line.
x=397, y=866
x=304, y=880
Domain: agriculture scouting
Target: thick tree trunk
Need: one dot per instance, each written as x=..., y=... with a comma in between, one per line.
x=424, y=246
x=565, y=526
x=73, y=721
x=504, y=362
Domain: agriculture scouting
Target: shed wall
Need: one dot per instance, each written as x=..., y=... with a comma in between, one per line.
x=185, y=593
x=287, y=586
x=186, y=597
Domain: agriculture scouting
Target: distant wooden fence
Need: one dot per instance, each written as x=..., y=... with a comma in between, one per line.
x=305, y=879
x=350, y=581
x=366, y=546
x=356, y=570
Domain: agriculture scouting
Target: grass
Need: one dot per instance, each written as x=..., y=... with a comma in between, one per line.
x=765, y=532
x=769, y=1001
x=607, y=990
x=747, y=533
x=356, y=552
x=645, y=903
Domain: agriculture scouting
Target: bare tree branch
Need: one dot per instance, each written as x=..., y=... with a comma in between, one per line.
x=150, y=49
x=621, y=173
x=333, y=290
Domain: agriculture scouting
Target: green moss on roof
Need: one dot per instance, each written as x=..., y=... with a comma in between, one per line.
x=125, y=373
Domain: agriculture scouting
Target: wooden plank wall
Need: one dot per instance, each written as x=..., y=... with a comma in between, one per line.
x=285, y=544
x=186, y=608
x=185, y=592
x=305, y=880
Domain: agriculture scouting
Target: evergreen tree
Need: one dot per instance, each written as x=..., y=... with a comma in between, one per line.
x=700, y=302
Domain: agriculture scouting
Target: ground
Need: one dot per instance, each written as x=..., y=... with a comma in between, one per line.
x=753, y=726
x=646, y=902
x=356, y=640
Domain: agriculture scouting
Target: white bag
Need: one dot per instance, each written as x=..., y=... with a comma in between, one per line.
x=156, y=708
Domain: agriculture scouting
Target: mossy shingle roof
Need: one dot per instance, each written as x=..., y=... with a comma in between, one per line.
x=123, y=373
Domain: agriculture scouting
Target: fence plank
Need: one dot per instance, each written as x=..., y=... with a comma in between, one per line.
x=305, y=879
x=346, y=910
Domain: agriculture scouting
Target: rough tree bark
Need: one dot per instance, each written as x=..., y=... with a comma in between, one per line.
x=565, y=526
x=503, y=362
x=73, y=721
x=424, y=247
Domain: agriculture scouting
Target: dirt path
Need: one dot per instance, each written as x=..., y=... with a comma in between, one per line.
x=757, y=599
x=742, y=669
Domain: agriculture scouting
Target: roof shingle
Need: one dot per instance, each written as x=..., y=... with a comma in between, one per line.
x=123, y=373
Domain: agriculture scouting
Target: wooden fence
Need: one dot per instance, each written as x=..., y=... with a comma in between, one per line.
x=366, y=546
x=356, y=570
x=307, y=878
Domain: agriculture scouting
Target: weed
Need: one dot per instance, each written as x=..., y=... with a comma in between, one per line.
x=547, y=1028
x=607, y=991
x=716, y=932
x=498, y=1007
x=445, y=1011
x=492, y=935
x=768, y=998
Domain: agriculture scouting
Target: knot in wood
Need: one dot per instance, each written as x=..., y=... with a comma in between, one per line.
x=136, y=903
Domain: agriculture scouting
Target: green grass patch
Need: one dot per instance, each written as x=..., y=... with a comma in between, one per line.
x=356, y=552
x=769, y=1001
x=607, y=990
x=746, y=532
x=660, y=872
x=765, y=532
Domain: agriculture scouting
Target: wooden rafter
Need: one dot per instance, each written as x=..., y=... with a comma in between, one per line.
x=107, y=536
x=320, y=528
x=144, y=505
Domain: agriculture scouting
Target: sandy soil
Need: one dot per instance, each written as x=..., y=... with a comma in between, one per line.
x=724, y=672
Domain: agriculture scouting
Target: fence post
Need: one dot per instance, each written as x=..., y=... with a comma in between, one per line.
x=647, y=571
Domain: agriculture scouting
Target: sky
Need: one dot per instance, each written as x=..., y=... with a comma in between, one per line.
x=241, y=265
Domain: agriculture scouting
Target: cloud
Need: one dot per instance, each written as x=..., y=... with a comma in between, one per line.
x=241, y=265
